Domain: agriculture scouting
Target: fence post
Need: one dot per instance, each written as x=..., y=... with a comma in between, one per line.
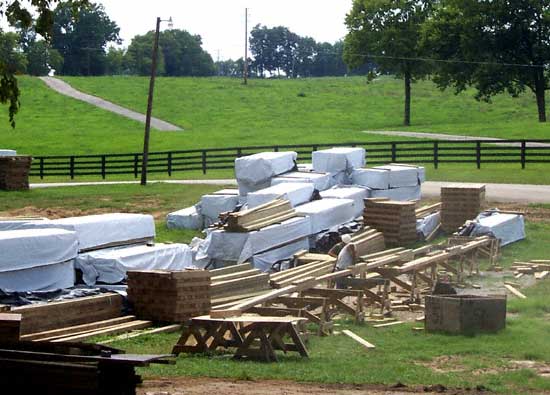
x=203, y=162
x=523, y=154
x=239, y=152
x=136, y=164
x=394, y=152
x=478, y=154
x=436, y=155
x=276, y=148
x=71, y=167
x=103, y=163
x=41, y=168
x=169, y=164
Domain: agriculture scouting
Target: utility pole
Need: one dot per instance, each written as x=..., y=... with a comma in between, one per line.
x=245, y=63
x=145, y=158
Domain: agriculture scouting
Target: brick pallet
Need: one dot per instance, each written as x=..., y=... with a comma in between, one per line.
x=14, y=172
x=166, y=296
x=460, y=203
x=396, y=220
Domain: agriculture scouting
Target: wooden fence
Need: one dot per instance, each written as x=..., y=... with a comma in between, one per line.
x=424, y=152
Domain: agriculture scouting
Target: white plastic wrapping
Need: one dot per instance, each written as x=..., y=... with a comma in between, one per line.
x=39, y=279
x=339, y=159
x=320, y=181
x=245, y=187
x=508, y=228
x=401, y=194
x=110, y=265
x=401, y=175
x=295, y=193
x=213, y=205
x=327, y=213
x=371, y=178
x=239, y=247
x=258, y=168
x=30, y=248
x=358, y=195
x=265, y=260
x=95, y=231
x=7, y=152
x=188, y=218
x=16, y=224
x=425, y=226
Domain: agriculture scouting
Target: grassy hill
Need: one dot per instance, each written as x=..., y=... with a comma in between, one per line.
x=217, y=112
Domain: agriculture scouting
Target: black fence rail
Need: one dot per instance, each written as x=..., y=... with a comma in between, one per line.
x=424, y=152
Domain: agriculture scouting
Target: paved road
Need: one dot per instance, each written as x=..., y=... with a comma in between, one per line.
x=498, y=193
x=441, y=136
x=67, y=90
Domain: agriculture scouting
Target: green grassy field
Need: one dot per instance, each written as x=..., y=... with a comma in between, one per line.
x=402, y=355
x=218, y=112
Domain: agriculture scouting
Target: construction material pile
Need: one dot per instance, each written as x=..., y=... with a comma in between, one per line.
x=539, y=268
x=460, y=203
x=396, y=220
x=14, y=172
x=168, y=296
x=507, y=227
x=394, y=181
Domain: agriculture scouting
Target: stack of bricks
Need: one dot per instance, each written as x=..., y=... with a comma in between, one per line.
x=396, y=220
x=171, y=297
x=14, y=172
x=460, y=203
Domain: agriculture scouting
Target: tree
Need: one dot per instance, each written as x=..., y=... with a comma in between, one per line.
x=41, y=57
x=18, y=14
x=83, y=43
x=181, y=54
x=496, y=46
x=389, y=33
x=115, y=61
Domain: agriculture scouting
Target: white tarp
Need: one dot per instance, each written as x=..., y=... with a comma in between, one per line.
x=401, y=194
x=245, y=187
x=401, y=175
x=30, y=248
x=110, y=265
x=258, y=168
x=358, y=195
x=327, y=213
x=234, y=192
x=320, y=181
x=339, y=159
x=16, y=224
x=39, y=278
x=425, y=226
x=371, y=178
x=508, y=228
x=295, y=193
x=213, y=205
x=7, y=152
x=188, y=218
x=266, y=260
x=95, y=231
x=239, y=247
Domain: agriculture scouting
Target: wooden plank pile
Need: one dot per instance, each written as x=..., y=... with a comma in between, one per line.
x=259, y=217
x=166, y=296
x=396, y=220
x=14, y=172
x=366, y=241
x=10, y=327
x=460, y=203
x=55, y=315
x=302, y=271
x=539, y=268
x=237, y=280
x=425, y=211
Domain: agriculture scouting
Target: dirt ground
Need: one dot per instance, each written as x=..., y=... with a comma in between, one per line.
x=196, y=386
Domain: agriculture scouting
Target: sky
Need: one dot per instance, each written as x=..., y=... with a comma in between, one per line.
x=220, y=23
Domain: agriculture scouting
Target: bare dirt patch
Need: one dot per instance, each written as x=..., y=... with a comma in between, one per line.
x=51, y=213
x=196, y=386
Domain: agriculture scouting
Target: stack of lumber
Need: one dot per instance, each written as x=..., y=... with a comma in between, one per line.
x=311, y=269
x=167, y=296
x=539, y=268
x=425, y=211
x=10, y=327
x=460, y=203
x=56, y=315
x=396, y=220
x=237, y=280
x=259, y=217
x=14, y=172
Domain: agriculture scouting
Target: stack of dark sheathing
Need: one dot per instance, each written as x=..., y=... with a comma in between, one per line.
x=460, y=203
x=14, y=172
x=167, y=296
x=396, y=220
